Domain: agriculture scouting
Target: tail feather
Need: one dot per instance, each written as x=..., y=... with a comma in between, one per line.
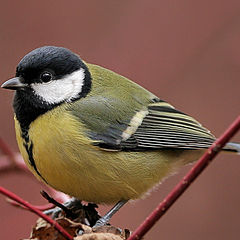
x=232, y=147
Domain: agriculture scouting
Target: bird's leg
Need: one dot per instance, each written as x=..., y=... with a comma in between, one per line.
x=72, y=203
x=106, y=218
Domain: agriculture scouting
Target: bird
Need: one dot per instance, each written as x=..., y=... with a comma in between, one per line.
x=96, y=135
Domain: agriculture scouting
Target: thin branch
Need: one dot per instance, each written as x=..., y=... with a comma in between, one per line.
x=7, y=151
x=38, y=212
x=179, y=189
x=39, y=207
x=14, y=161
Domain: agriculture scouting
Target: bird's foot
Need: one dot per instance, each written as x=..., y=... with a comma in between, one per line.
x=106, y=218
x=69, y=208
x=101, y=222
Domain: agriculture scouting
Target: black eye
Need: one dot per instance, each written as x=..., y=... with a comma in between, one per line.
x=46, y=76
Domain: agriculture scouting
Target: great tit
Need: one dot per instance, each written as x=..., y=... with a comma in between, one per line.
x=95, y=135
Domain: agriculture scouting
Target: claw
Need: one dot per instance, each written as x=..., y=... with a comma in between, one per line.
x=55, y=212
x=106, y=218
x=101, y=222
x=67, y=208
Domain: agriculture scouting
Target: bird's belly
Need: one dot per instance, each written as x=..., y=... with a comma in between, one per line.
x=69, y=162
x=109, y=177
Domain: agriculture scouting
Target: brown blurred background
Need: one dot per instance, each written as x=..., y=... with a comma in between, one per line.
x=186, y=52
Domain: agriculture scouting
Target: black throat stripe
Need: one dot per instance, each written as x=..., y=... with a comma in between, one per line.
x=29, y=148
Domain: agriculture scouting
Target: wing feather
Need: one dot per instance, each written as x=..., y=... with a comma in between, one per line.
x=166, y=127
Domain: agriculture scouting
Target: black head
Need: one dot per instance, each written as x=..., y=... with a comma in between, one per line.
x=45, y=78
x=58, y=60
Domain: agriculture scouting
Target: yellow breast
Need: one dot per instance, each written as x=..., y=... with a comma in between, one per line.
x=67, y=161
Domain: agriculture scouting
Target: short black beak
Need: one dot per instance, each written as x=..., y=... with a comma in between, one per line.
x=14, y=84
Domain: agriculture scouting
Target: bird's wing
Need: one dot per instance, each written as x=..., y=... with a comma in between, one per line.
x=166, y=127
x=154, y=125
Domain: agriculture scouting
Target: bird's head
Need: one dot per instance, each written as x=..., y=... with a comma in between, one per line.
x=46, y=78
x=51, y=75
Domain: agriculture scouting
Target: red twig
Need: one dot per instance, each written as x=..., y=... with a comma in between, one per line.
x=15, y=161
x=38, y=212
x=178, y=190
x=58, y=196
x=7, y=151
x=6, y=163
x=39, y=207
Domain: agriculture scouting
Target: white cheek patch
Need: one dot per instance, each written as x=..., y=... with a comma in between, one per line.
x=60, y=90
